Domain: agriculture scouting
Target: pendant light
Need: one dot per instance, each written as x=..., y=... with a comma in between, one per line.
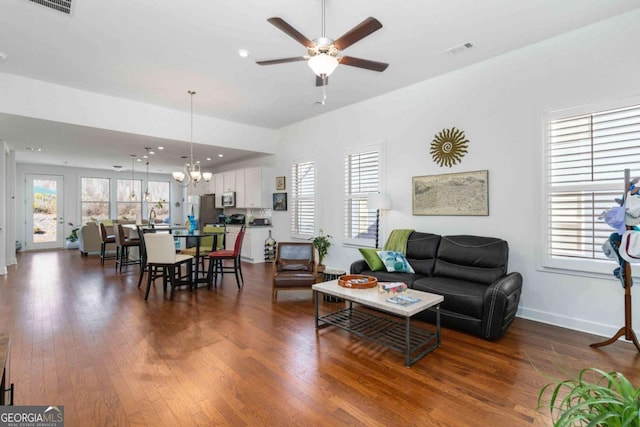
x=191, y=172
x=132, y=196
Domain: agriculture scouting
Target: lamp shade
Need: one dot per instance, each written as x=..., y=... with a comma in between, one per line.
x=323, y=64
x=178, y=176
x=378, y=201
x=207, y=176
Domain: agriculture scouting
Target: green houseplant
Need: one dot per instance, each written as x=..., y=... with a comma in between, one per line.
x=595, y=398
x=73, y=236
x=322, y=242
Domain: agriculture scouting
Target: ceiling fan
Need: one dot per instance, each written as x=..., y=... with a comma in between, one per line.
x=324, y=54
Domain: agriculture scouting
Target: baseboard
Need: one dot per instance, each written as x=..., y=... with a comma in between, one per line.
x=568, y=322
x=3, y=270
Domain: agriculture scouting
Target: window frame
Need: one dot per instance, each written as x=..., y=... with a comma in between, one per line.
x=83, y=201
x=137, y=183
x=346, y=233
x=295, y=199
x=595, y=267
x=152, y=203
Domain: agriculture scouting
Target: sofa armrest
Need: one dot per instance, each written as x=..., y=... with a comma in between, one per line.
x=501, y=301
x=357, y=267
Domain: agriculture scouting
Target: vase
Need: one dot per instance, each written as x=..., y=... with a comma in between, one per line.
x=71, y=244
x=193, y=223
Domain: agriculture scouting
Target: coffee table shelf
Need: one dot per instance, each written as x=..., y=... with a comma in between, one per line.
x=384, y=331
x=366, y=320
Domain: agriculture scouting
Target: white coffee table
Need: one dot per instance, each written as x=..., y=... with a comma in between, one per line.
x=401, y=336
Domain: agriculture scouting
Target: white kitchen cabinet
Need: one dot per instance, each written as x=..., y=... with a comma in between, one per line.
x=258, y=186
x=240, y=190
x=232, y=235
x=229, y=180
x=252, y=244
x=218, y=188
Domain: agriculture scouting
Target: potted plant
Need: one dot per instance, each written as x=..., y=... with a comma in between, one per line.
x=595, y=398
x=72, y=238
x=321, y=242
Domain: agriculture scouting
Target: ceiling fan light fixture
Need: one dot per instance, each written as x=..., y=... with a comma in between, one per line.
x=323, y=64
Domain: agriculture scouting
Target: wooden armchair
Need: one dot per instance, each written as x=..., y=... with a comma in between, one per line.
x=294, y=267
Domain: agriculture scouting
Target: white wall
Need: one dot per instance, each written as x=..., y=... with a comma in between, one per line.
x=500, y=105
x=23, y=96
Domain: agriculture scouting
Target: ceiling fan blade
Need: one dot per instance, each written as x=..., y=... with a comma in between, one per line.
x=281, y=60
x=357, y=33
x=290, y=31
x=364, y=63
x=322, y=81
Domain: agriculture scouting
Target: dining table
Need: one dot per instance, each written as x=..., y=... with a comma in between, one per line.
x=180, y=232
x=197, y=235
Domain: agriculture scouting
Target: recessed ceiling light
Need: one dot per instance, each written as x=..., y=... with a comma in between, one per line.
x=152, y=152
x=220, y=155
x=161, y=148
x=208, y=159
x=243, y=53
x=460, y=47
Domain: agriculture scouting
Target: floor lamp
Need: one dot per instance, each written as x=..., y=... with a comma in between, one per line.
x=378, y=202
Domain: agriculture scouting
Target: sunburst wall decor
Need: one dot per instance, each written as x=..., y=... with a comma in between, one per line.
x=449, y=147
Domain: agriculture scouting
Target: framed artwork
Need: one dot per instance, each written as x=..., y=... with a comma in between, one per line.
x=280, y=201
x=465, y=193
x=280, y=183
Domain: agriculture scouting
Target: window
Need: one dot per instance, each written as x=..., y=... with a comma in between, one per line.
x=127, y=207
x=303, y=187
x=361, y=179
x=94, y=198
x=159, y=196
x=586, y=155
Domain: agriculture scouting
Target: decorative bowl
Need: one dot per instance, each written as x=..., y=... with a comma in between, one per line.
x=357, y=281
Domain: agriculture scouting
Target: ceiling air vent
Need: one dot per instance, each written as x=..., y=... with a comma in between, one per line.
x=63, y=6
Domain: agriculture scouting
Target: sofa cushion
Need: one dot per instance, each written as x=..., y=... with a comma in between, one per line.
x=422, y=249
x=395, y=262
x=370, y=255
x=385, y=276
x=472, y=258
x=460, y=296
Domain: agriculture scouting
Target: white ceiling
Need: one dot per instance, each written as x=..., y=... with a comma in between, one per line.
x=153, y=51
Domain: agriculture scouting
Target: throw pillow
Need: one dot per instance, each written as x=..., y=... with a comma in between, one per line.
x=370, y=255
x=395, y=262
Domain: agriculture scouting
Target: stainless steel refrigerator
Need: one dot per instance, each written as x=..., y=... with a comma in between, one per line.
x=203, y=208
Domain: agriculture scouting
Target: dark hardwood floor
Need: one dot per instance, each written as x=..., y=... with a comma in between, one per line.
x=83, y=337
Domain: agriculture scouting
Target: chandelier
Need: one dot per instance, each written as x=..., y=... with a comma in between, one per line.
x=191, y=172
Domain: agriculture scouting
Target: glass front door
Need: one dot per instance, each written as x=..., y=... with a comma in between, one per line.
x=45, y=222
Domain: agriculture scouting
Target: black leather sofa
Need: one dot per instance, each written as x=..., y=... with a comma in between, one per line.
x=480, y=297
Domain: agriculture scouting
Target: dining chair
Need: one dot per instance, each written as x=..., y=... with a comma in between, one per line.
x=217, y=258
x=123, y=245
x=206, y=246
x=162, y=261
x=105, y=239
